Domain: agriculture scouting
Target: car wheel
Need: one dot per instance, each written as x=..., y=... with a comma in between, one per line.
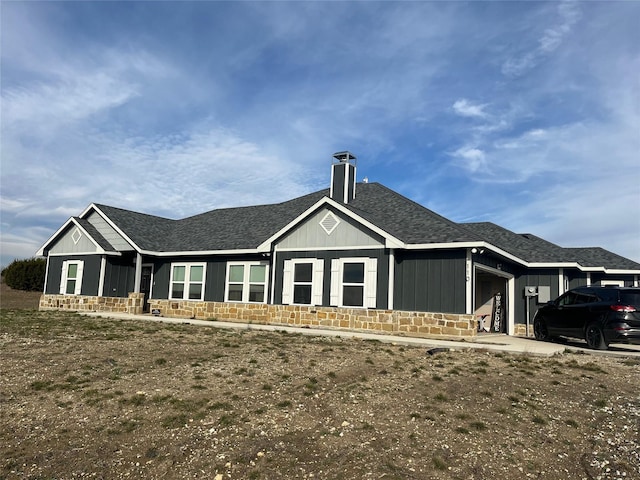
x=595, y=338
x=540, y=330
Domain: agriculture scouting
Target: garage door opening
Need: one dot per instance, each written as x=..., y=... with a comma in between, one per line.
x=490, y=302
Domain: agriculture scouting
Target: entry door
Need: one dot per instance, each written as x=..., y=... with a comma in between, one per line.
x=145, y=285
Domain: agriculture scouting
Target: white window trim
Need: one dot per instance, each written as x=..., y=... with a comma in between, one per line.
x=245, y=281
x=317, y=279
x=78, y=278
x=370, y=281
x=187, y=282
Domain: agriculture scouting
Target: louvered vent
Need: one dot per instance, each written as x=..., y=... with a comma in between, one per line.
x=76, y=236
x=329, y=222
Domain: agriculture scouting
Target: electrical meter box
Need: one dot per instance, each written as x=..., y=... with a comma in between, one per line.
x=544, y=294
x=530, y=291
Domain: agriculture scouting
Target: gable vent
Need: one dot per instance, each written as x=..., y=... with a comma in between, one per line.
x=76, y=236
x=329, y=222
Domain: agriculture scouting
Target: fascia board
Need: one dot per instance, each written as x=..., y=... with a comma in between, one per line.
x=112, y=224
x=612, y=271
x=70, y=221
x=390, y=240
x=245, y=251
x=328, y=249
x=113, y=254
x=40, y=251
x=485, y=245
x=431, y=246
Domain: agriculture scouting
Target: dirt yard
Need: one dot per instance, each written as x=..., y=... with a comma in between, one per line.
x=96, y=398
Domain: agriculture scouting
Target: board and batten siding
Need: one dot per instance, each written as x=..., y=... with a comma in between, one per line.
x=108, y=232
x=119, y=276
x=326, y=256
x=430, y=281
x=90, y=275
x=533, y=277
x=215, y=278
x=347, y=233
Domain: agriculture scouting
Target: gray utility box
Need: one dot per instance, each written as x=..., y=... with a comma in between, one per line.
x=543, y=292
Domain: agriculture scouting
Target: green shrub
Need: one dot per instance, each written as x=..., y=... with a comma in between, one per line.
x=26, y=274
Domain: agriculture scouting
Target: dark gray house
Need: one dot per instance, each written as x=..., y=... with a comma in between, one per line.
x=359, y=246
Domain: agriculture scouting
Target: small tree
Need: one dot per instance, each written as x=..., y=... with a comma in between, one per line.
x=26, y=274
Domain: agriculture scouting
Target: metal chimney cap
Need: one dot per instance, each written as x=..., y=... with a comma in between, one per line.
x=344, y=156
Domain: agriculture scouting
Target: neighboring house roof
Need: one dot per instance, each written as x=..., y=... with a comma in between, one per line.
x=247, y=228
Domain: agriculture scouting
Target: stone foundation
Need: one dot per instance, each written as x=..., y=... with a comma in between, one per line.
x=412, y=324
x=520, y=330
x=80, y=303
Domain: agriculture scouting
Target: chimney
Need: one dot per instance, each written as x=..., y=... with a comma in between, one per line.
x=343, y=177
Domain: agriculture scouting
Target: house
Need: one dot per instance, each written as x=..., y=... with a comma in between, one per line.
x=356, y=255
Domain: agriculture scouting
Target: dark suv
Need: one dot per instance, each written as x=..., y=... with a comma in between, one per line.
x=600, y=315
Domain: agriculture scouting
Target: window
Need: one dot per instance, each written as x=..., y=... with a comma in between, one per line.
x=302, y=281
x=354, y=282
x=71, y=279
x=187, y=281
x=247, y=282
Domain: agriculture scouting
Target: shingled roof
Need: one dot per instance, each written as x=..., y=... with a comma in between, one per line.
x=534, y=249
x=245, y=228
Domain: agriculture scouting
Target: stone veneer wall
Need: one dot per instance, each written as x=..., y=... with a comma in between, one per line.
x=415, y=324
x=80, y=303
x=520, y=330
x=382, y=321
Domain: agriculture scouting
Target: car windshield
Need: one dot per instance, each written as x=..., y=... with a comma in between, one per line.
x=630, y=298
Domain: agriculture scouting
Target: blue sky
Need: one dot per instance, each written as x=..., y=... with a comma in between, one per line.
x=525, y=114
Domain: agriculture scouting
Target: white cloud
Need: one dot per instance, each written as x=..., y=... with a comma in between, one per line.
x=466, y=109
x=550, y=40
x=473, y=159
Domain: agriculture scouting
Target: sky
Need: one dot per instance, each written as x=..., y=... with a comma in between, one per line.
x=524, y=114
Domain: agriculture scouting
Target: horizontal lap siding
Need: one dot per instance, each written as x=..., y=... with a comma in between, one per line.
x=431, y=281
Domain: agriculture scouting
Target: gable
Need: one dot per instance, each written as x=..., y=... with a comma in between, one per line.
x=327, y=228
x=73, y=240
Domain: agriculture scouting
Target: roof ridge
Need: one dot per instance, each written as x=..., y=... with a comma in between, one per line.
x=101, y=206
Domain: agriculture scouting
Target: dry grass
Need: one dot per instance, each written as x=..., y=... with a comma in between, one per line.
x=131, y=399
